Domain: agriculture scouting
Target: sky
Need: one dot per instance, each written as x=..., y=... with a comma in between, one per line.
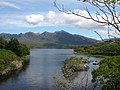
x=20, y=16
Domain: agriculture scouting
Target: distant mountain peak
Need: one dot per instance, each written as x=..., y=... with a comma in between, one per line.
x=61, y=31
x=46, y=39
x=45, y=32
x=29, y=33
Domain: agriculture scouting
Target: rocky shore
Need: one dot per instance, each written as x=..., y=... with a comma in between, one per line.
x=15, y=65
x=74, y=65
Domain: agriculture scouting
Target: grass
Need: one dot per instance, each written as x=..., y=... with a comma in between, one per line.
x=6, y=57
x=71, y=66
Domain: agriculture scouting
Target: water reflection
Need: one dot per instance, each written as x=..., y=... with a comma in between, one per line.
x=38, y=75
x=81, y=80
x=14, y=74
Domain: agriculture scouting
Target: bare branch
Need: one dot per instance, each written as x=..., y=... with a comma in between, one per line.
x=99, y=35
x=106, y=14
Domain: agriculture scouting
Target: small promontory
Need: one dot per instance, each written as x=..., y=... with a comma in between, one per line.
x=12, y=56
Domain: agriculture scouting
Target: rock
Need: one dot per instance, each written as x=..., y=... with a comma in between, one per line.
x=86, y=61
x=95, y=63
x=14, y=66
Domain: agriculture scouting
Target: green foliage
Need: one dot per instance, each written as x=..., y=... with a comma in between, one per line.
x=2, y=43
x=108, y=49
x=7, y=56
x=11, y=54
x=18, y=48
x=74, y=61
x=23, y=50
x=71, y=66
x=108, y=73
x=12, y=66
x=13, y=45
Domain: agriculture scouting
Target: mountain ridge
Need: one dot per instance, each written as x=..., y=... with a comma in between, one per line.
x=58, y=39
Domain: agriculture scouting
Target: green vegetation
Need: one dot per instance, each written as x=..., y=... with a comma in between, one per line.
x=108, y=74
x=6, y=57
x=73, y=65
x=12, y=55
x=107, y=49
x=16, y=47
x=2, y=43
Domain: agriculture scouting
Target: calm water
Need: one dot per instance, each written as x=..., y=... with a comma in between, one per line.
x=38, y=75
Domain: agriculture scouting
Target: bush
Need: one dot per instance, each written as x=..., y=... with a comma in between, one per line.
x=108, y=73
x=18, y=48
x=6, y=57
x=2, y=43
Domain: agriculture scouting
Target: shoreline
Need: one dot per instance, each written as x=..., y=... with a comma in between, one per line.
x=17, y=65
x=74, y=65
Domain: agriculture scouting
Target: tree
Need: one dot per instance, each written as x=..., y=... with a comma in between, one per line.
x=23, y=50
x=2, y=43
x=13, y=45
x=18, y=48
x=107, y=13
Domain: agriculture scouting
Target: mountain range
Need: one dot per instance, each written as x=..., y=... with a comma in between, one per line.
x=58, y=39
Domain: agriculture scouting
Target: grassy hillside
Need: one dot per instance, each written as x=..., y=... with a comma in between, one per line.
x=108, y=49
x=6, y=58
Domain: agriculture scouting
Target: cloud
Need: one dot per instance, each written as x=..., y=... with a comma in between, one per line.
x=51, y=15
x=12, y=21
x=8, y=4
x=34, y=19
x=53, y=18
x=50, y=18
x=80, y=22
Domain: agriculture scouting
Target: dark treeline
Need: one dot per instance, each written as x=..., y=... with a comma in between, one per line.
x=108, y=48
x=15, y=46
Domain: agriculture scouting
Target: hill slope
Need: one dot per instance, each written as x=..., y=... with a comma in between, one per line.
x=58, y=39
